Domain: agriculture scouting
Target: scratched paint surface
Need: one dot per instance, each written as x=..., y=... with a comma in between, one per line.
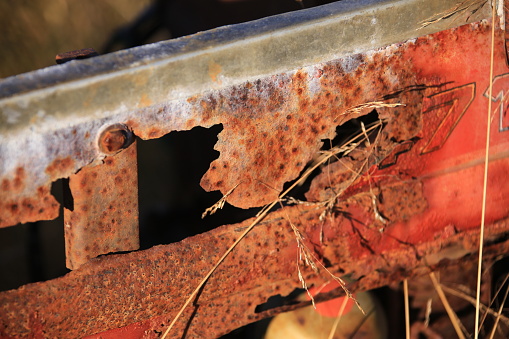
x=426, y=179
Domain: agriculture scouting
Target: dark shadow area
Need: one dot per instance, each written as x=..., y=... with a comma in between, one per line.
x=350, y=129
x=170, y=196
x=278, y=301
x=254, y=330
x=35, y=251
x=32, y=252
x=169, y=19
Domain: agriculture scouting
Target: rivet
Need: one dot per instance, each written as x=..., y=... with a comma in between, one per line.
x=115, y=138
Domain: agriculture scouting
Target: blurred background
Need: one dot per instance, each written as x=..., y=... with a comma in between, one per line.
x=34, y=31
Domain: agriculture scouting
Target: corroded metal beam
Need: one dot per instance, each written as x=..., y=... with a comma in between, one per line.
x=55, y=115
x=141, y=292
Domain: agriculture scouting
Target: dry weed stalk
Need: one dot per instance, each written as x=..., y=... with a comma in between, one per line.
x=428, y=311
x=492, y=299
x=460, y=7
x=219, y=204
x=347, y=148
x=485, y=175
x=407, y=309
x=456, y=323
x=338, y=317
x=499, y=314
x=368, y=105
x=457, y=291
x=306, y=256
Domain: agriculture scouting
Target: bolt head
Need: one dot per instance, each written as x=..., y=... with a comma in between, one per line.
x=115, y=138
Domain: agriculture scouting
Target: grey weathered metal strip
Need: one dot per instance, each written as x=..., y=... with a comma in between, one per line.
x=179, y=68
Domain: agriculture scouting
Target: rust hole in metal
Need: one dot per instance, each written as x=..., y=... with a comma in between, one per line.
x=278, y=300
x=170, y=198
x=352, y=128
x=343, y=133
x=39, y=252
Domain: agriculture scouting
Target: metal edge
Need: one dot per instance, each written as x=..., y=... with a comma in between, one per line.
x=215, y=59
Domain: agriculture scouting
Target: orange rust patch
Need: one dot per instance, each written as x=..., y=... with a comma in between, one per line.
x=60, y=168
x=132, y=124
x=155, y=133
x=277, y=123
x=144, y=101
x=192, y=99
x=101, y=195
x=15, y=185
x=214, y=70
x=22, y=209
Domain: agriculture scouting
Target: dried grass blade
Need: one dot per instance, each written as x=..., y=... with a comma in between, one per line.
x=428, y=311
x=219, y=204
x=372, y=104
x=452, y=315
x=493, y=299
x=471, y=300
x=407, y=309
x=338, y=318
x=485, y=179
x=497, y=319
x=460, y=7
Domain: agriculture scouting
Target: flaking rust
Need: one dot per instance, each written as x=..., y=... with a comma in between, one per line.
x=18, y=205
x=20, y=209
x=144, y=290
x=276, y=125
x=25, y=197
x=103, y=217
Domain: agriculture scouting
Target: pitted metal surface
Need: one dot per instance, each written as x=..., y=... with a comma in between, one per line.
x=406, y=204
x=55, y=114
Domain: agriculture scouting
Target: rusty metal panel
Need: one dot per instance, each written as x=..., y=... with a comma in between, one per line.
x=415, y=206
x=144, y=290
x=234, y=75
x=103, y=217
